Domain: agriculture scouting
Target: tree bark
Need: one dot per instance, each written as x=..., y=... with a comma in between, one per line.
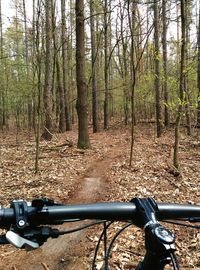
x=64, y=57
x=132, y=26
x=198, y=74
x=2, y=94
x=106, y=78
x=29, y=98
x=165, y=63
x=181, y=86
x=94, y=70
x=187, y=107
x=47, y=95
x=124, y=66
x=37, y=72
x=59, y=89
x=157, y=69
x=82, y=103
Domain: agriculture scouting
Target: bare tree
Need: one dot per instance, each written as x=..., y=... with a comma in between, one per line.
x=64, y=57
x=198, y=74
x=2, y=92
x=60, y=95
x=165, y=62
x=157, y=69
x=82, y=103
x=182, y=83
x=47, y=96
x=106, y=64
x=187, y=56
x=94, y=69
x=37, y=59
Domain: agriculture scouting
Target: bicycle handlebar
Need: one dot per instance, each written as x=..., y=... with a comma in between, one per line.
x=111, y=211
x=24, y=222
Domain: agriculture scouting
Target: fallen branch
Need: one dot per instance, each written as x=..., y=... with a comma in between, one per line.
x=45, y=266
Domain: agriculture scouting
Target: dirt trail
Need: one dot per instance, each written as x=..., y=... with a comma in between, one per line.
x=68, y=251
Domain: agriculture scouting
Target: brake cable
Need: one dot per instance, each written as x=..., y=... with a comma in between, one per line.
x=106, y=226
x=182, y=224
x=174, y=261
x=112, y=242
x=82, y=227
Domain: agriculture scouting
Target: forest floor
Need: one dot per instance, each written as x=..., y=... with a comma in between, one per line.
x=102, y=173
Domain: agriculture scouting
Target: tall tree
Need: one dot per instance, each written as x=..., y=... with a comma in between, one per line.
x=64, y=57
x=29, y=100
x=94, y=69
x=106, y=77
x=37, y=58
x=2, y=92
x=82, y=102
x=181, y=84
x=187, y=56
x=165, y=62
x=60, y=86
x=157, y=68
x=70, y=65
x=47, y=96
x=124, y=62
x=132, y=25
x=198, y=73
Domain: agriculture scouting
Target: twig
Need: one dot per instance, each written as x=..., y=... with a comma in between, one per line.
x=45, y=266
x=53, y=135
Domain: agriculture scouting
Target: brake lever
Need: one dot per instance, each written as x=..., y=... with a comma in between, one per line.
x=31, y=238
x=20, y=242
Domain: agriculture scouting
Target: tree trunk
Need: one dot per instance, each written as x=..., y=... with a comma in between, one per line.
x=94, y=70
x=82, y=103
x=157, y=69
x=2, y=94
x=182, y=84
x=47, y=96
x=124, y=67
x=198, y=74
x=33, y=57
x=132, y=23
x=71, y=72
x=106, y=78
x=29, y=100
x=165, y=63
x=37, y=72
x=187, y=107
x=60, y=95
x=64, y=57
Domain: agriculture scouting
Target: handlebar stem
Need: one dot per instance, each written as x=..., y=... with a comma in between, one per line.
x=159, y=241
